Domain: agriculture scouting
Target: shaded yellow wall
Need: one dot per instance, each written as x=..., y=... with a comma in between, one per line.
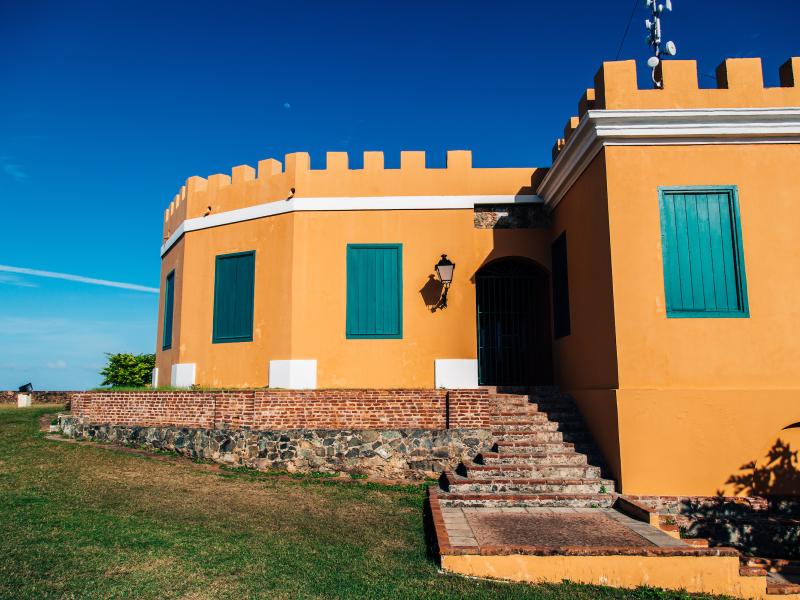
x=586, y=359
x=166, y=358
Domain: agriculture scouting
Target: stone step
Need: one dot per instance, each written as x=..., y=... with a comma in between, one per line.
x=532, y=471
x=528, y=436
x=516, y=411
x=458, y=484
x=563, y=457
x=502, y=397
x=519, y=417
x=528, y=500
x=512, y=403
x=544, y=426
x=524, y=446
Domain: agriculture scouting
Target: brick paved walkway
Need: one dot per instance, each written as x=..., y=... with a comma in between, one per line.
x=553, y=527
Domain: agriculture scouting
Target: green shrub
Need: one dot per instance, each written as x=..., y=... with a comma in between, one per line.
x=128, y=370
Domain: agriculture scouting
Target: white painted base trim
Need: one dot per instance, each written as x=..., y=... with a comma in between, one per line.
x=23, y=400
x=154, y=378
x=456, y=373
x=293, y=374
x=183, y=375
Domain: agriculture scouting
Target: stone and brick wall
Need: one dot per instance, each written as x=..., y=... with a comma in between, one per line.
x=37, y=397
x=387, y=433
x=271, y=410
x=392, y=453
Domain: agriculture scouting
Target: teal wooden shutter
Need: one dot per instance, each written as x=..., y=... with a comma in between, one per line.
x=169, y=307
x=702, y=251
x=234, y=286
x=374, y=291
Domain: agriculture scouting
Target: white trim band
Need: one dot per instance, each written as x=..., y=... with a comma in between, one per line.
x=280, y=207
x=659, y=127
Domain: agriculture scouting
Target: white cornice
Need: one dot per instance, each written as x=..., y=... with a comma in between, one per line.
x=280, y=207
x=599, y=128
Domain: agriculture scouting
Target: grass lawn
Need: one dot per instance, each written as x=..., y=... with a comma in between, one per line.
x=81, y=521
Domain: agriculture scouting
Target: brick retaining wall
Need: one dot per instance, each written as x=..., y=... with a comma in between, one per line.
x=271, y=410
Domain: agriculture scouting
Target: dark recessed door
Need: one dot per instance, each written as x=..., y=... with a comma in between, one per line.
x=513, y=324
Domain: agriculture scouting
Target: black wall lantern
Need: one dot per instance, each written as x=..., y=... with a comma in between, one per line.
x=444, y=269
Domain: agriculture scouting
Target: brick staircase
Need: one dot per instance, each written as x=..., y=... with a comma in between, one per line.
x=542, y=456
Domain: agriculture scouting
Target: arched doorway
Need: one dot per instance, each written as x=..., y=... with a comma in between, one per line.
x=513, y=306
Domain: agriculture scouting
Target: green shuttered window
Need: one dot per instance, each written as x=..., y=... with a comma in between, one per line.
x=374, y=291
x=701, y=241
x=169, y=306
x=234, y=286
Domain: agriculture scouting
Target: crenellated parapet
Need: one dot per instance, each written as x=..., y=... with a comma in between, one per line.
x=740, y=84
x=294, y=178
x=617, y=113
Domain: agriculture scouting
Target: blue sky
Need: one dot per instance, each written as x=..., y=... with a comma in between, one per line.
x=107, y=107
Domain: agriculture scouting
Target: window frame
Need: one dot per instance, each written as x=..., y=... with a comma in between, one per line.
x=349, y=334
x=738, y=253
x=171, y=296
x=215, y=339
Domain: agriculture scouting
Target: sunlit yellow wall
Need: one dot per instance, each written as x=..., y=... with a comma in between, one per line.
x=319, y=279
x=712, y=391
x=300, y=279
x=679, y=406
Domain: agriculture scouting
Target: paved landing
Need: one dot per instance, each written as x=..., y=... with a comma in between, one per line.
x=551, y=527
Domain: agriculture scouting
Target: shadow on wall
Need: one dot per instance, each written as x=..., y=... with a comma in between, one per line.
x=431, y=292
x=768, y=523
x=778, y=474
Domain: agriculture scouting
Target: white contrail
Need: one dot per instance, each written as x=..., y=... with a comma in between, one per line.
x=67, y=276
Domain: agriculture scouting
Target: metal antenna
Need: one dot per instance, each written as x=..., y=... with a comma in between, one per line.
x=653, y=25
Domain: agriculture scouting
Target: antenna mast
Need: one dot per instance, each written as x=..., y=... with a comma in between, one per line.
x=653, y=26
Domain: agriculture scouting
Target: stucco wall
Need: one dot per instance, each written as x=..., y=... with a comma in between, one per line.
x=700, y=398
x=300, y=295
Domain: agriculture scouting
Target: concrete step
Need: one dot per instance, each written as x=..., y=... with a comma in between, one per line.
x=532, y=471
x=564, y=457
x=457, y=484
x=528, y=500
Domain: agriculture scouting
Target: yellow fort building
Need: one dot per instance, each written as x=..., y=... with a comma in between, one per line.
x=652, y=273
